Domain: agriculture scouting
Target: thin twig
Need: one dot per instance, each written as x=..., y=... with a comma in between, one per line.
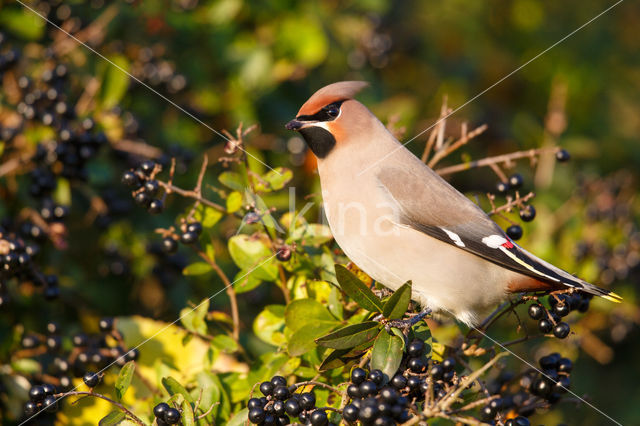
x=97, y=395
x=229, y=290
x=456, y=145
x=530, y=153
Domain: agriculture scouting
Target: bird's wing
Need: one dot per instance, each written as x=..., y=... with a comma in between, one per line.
x=427, y=203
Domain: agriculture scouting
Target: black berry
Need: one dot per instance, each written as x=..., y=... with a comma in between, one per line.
x=502, y=187
x=515, y=180
x=36, y=393
x=358, y=375
x=266, y=388
x=563, y=156
x=319, y=418
x=536, y=311
x=169, y=245
x=545, y=326
x=415, y=348
x=561, y=330
x=308, y=400
x=256, y=415
x=160, y=409
x=514, y=232
x=528, y=213
x=171, y=416
x=91, y=379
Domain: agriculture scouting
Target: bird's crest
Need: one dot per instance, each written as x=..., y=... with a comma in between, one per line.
x=340, y=91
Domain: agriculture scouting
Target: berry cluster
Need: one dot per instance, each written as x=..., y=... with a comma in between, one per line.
x=18, y=248
x=166, y=415
x=89, y=353
x=144, y=187
x=554, y=379
x=550, y=320
x=280, y=404
x=373, y=402
x=527, y=212
x=149, y=67
x=41, y=397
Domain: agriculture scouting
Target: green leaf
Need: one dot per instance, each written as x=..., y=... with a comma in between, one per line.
x=234, y=202
x=334, y=360
x=387, y=353
x=303, y=339
x=311, y=234
x=269, y=325
x=304, y=312
x=350, y=336
x=240, y=418
x=187, y=416
x=175, y=388
x=357, y=290
x=253, y=253
x=22, y=23
x=124, y=379
x=232, y=180
x=206, y=215
x=398, y=303
x=115, y=82
x=224, y=343
x=111, y=419
x=194, y=319
x=197, y=268
x=275, y=179
x=245, y=281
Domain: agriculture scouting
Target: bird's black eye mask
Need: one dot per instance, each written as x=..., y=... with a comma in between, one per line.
x=327, y=113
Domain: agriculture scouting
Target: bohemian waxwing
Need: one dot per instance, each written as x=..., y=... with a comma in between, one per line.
x=398, y=220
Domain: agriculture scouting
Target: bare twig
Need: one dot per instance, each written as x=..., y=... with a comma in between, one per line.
x=530, y=153
x=97, y=395
x=466, y=137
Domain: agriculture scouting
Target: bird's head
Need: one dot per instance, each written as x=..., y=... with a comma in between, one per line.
x=329, y=116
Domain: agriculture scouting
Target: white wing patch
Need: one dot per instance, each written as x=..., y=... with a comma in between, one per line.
x=454, y=237
x=494, y=241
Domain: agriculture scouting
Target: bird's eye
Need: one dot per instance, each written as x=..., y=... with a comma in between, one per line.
x=333, y=111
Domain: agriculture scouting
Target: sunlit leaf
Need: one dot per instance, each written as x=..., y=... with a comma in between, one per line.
x=300, y=313
x=269, y=325
x=174, y=388
x=187, y=416
x=357, y=290
x=254, y=254
x=397, y=305
x=207, y=215
x=303, y=339
x=124, y=379
x=232, y=180
x=194, y=319
x=112, y=419
x=387, y=353
x=197, y=268
x=350, y=336
x=115, y=81
x=234, y=202
x=224, y=343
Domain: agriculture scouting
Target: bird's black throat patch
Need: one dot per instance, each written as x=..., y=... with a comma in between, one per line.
x=320, y=141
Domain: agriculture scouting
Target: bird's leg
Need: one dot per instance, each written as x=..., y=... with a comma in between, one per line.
x=406, y=324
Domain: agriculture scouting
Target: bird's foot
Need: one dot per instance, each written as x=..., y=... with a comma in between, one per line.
x=406, y=324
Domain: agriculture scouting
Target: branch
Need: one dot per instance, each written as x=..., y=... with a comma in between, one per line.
x=97, y=395
x=506, y=158
x=456, y=145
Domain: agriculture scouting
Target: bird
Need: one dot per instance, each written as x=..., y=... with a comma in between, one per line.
x=399, y=221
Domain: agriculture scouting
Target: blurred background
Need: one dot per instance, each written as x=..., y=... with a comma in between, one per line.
x=255, y=62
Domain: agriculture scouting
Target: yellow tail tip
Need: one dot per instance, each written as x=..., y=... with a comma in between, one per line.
x=613, y=297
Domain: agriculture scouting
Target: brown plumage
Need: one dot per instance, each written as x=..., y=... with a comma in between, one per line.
x=332, y=93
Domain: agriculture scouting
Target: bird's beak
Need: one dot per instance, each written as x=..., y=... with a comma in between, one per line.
x=294, y=125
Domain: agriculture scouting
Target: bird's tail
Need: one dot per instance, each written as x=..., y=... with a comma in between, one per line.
x=598, y=291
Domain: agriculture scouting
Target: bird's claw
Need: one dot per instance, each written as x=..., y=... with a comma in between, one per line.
x=405, y=324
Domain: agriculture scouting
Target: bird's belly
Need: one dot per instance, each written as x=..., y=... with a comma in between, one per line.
x=444, y=277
